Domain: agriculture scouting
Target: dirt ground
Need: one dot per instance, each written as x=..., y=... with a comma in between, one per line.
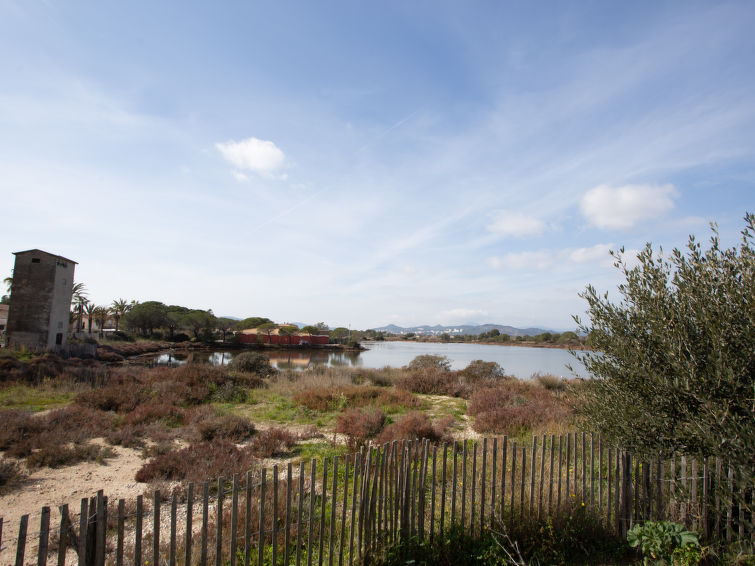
x=56, y=486
x=68, y=485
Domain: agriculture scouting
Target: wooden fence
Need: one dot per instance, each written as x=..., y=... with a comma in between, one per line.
x=339, y=510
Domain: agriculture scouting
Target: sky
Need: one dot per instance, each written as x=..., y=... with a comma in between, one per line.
x=371, y=163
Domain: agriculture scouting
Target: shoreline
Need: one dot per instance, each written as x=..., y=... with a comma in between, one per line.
x=484, y=343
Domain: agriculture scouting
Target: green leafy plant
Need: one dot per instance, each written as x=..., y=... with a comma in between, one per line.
x=659, y=540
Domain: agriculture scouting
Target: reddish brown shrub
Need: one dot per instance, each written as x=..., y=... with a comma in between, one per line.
x=109, y=356
x=514, y=407
x=19, y=427
x=10, y=474
x=415, y=425
x=128, y=436
x=153, y=411
x=53, y=455
x=271, y=442
x=230, y=427
x=119, y=397
x=10, y=368
x=197, y=463
x=200, y=413
x=432, y=381
x=360, y=425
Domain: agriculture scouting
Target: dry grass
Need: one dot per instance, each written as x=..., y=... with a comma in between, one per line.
x=353, y=396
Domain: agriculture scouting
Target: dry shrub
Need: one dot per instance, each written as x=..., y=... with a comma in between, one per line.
x=107, y=355
x=271, y=442
x=230, y=427
x=128, y=436
x=360, y=425
x=550, y=381
x=118, y=397
x=49, y=366
x=198, y=462
x=10, y=368
x=10, y=474
x=53, y=455
x=136, y=348
x=333, y=399
x=159, y=447
x=18, y=428
x=514, y=407
x=23, y=432
x=309, y=432
x=432, y=381
x=415, y=425
x=153, y=411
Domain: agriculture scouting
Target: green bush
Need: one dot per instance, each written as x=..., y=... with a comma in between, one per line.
x=252, y=362
x=425, y=361
x=673, y=355
x=660, y=540
x=573, y=536
x=121, y=336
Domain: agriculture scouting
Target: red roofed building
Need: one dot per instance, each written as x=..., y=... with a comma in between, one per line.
x=255, y=336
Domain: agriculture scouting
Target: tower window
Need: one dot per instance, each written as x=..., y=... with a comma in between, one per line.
x=35, y=260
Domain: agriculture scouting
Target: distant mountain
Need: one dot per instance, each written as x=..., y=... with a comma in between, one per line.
x=457, y=329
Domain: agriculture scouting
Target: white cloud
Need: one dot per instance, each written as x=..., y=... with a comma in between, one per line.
x=623, y=207
x=239, y=176
x=597, y=253
x=252, y=154
x=522, y=260
x=508, y=223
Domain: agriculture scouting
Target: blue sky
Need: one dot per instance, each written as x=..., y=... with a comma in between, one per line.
x=371, y=163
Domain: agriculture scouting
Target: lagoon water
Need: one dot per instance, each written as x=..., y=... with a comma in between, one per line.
x=515, y=360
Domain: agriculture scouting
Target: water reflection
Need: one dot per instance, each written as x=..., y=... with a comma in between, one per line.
x=280, y=359
x=518, y=361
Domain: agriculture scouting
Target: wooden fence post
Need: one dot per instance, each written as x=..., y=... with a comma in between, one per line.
x=625, y=518
x=44, y=536
x=21, y=544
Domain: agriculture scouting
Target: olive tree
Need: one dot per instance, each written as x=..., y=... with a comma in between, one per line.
x=673, y=364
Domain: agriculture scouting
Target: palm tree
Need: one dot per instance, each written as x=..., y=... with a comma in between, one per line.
x=119, y=308
x=5, y=300
x=101, y=315
x=89, y=310
x=79, y=298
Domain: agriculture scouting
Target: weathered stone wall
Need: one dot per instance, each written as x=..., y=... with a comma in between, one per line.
x=40, y=300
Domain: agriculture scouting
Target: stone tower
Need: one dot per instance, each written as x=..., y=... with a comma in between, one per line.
x=40, y=303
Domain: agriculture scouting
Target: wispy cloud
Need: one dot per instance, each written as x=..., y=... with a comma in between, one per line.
x=623, y=207
x=522, y=260
x=460, y=315
x=515, y=224
x=555, y=259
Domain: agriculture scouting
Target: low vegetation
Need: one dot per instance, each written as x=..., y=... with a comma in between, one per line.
x=570, y=537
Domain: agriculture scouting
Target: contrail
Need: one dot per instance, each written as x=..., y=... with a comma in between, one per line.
x=389, y=130
x=288, y=210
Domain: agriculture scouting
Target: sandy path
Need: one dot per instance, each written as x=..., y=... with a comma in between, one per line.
x=56, y=486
